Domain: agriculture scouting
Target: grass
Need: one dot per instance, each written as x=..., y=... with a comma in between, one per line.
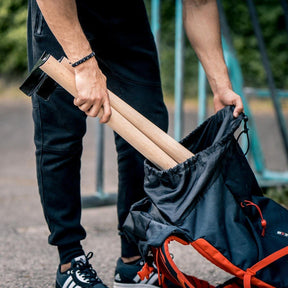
x=278, y=194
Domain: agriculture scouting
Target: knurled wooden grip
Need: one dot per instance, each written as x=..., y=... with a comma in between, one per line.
x=65, y=78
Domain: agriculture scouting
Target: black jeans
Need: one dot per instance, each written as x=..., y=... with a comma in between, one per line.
x=126, y=53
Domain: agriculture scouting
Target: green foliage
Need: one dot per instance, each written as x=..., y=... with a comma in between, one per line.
x=272, y=22
x=13, y=53
x=278, y=194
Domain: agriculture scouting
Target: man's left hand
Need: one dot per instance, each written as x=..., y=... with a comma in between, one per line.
x=228, y=97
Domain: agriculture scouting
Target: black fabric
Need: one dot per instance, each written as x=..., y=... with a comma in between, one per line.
x=201, y=199
x=69, y=252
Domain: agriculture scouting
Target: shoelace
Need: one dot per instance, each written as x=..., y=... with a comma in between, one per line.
x=86, y=270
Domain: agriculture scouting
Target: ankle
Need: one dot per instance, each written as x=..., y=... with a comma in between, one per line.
x=127, y=260
x=65, y=267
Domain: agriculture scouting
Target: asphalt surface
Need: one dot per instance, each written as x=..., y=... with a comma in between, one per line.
x=26, y=259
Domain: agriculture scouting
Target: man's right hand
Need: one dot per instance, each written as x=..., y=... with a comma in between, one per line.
x=92, y=90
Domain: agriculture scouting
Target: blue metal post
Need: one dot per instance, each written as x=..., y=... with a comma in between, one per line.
x=179, y=47
x=202, y=103
x=155, y=20
x=100, y=159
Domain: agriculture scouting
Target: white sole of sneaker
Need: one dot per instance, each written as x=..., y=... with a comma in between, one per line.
x=133, y=285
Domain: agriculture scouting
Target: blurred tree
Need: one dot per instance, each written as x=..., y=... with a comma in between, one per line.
x=13, y=53
x=272, y=22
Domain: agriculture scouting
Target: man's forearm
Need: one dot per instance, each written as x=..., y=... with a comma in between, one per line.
x=62, y=19
x=201, y=21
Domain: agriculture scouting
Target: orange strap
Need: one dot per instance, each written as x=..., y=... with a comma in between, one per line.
x=250, y=272
x=163, y=257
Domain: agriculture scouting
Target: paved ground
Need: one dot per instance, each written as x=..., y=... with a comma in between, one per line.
x=26, y=260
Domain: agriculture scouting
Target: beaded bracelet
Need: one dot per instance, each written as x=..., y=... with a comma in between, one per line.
x=84, y=59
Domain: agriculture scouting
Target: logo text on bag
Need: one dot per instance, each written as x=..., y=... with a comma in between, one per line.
x=282, y=233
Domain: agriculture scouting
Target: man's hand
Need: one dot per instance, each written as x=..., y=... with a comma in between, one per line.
x=92, y=90
x=228, y=97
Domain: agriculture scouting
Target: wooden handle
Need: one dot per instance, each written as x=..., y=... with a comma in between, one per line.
x=117, y=122
x=168, y=144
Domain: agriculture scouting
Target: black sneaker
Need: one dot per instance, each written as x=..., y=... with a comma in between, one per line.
x=80, y=275
x=126, y=275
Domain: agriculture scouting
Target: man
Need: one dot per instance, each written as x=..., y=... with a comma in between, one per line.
x=110, y=45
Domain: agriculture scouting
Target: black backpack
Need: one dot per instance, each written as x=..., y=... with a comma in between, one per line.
x=213, y=202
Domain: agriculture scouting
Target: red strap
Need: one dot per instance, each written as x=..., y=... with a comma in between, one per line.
x=250, y=272
x=233, y=285
x=163, y=256
x=145, y=271
x=247, y=278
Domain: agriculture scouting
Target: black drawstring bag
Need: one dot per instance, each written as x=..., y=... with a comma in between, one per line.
x=213, y=202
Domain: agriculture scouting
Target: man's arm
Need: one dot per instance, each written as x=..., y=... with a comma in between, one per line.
x=201, y=22
x=62, y=19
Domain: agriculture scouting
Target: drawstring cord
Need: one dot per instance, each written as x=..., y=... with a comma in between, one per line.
x=245, y=130
x=246, y=203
